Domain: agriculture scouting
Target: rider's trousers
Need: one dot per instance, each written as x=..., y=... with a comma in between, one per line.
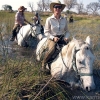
x=49, y=51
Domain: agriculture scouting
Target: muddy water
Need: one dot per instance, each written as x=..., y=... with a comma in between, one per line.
x=12, y=49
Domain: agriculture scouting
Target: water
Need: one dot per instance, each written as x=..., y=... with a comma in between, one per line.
x=11, y=48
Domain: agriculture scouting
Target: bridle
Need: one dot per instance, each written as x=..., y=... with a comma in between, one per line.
x=74, y=66
x=32, y=31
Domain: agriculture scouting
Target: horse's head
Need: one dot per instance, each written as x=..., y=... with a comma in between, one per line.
x=82, y=63
x=35, y=30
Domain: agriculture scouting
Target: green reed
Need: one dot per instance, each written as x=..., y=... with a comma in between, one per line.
x=21, y=78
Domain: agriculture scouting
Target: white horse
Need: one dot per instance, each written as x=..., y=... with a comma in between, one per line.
x=26, y=31
x=74, y=59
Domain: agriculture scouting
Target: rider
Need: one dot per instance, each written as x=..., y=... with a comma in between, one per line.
x=37, y=20
x=71, y=19
x=19, y=22
x=55, y=29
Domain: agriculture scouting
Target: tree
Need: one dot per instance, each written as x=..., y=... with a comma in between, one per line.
x=70, y=4
x=80, y=7
x=43, y=5
x=93, y=8
x=7, y=7
x=31, y=5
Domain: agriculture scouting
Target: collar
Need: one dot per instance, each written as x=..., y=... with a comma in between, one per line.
x=55, y=18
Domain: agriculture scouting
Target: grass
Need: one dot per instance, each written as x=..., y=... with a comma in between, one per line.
x=22, y=79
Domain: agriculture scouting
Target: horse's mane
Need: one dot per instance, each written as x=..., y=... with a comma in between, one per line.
x=69, y=47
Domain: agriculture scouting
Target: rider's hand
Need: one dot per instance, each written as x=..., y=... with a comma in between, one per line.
x=55, y=39
x=66, y=39
x=21, y=25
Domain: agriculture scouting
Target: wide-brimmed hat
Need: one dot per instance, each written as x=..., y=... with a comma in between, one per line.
x=22, y=8
x=57, y=2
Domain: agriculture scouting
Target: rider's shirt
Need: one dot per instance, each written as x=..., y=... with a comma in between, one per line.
x=19, y=18
x=54, y=27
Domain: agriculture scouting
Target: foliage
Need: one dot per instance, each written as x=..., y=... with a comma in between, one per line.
x=70, y=3
x=7, y=7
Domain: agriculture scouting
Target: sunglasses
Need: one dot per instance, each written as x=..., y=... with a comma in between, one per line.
x=56, y=6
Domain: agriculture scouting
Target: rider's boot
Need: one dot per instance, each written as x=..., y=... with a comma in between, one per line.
x=14, y=32
x=13, y=36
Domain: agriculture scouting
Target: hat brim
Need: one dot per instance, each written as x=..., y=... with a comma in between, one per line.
x=22, y=9
x=52, y=5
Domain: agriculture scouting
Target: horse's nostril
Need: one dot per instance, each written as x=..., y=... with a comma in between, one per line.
x=88, y=89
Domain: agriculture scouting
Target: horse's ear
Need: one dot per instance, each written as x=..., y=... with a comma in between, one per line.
x=88, y=40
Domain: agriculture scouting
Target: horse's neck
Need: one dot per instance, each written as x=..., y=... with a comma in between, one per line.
x=63, y=62
x=66, y=54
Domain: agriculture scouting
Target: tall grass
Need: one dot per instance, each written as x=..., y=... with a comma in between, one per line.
x=21, y=77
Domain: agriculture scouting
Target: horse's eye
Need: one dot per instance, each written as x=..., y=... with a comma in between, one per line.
x=80, y=62
x=87, y=48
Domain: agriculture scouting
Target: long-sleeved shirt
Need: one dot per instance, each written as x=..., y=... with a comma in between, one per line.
x=55, y=27
x=19, y=18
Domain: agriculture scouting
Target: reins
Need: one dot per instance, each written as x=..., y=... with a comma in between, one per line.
x=32, y=31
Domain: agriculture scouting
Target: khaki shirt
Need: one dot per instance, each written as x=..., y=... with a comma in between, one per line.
x=55, y=27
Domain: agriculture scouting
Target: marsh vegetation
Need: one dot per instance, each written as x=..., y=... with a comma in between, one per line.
x=21, y=77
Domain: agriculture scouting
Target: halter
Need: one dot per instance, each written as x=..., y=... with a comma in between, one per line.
x=74, y=64
x=32, y=31
x=75, y=67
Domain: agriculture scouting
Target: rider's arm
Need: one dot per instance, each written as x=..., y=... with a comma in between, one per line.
x=47, y=29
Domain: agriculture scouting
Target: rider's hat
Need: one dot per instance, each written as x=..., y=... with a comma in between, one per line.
x=57, y=2
x=22, y=8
